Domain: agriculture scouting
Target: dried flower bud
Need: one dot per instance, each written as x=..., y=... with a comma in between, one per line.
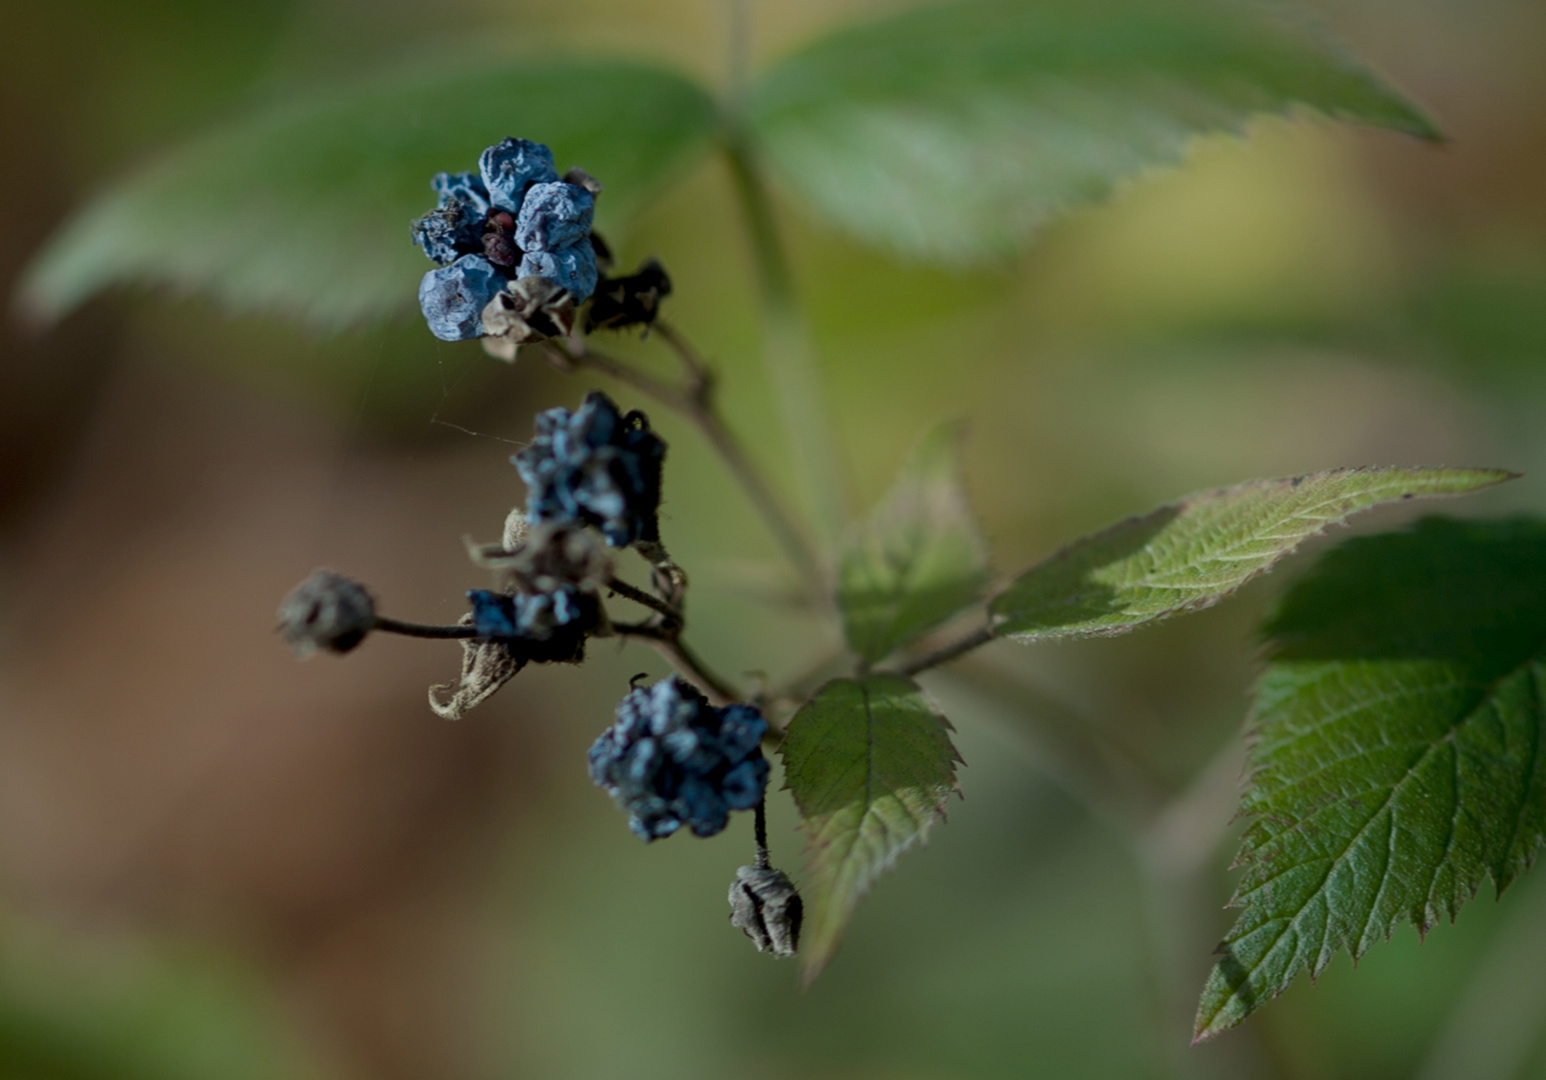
x=326, y=611
x=629, y=301
x=765, y=904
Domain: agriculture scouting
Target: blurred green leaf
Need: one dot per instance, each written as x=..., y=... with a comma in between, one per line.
x=953, y=132
x=84, y=1006
x=1400, y=754
x=918, y=559
x=304, y=206
x=1191, y=554
x=871, y=767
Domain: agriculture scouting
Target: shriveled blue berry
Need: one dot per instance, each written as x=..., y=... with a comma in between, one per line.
x=465, y=186
x=595, y=466
x=672, y=759
x=545, y=627
x=573, y=267
x=453, y=297
x=510, y=167
x=448, y=233
x=554, y=216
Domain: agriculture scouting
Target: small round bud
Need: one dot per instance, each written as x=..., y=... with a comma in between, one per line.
x=765, y=904
x=328, y=612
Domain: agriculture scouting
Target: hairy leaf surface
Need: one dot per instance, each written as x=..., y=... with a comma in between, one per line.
x=1193, y=553
x=919, y=558
x=304, y=206
x=871, y=767
x=1400, y=753
x=954, y=131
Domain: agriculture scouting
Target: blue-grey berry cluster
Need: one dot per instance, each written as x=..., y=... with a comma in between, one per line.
x=595, y=466
x=672, y=759
x=512, y=219
x=545, y=627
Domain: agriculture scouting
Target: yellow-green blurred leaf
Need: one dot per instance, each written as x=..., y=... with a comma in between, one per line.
x=917, y=560
x=953, y=132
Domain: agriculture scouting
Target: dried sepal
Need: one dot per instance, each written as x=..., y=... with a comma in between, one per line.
x=526, y=310
x=486, y=666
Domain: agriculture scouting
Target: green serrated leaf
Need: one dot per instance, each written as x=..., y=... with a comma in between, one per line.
x=304, y=207
x=1400, y=751
x=952, y=133
x=1191, y=554
x=918, y=560
x=871, y=767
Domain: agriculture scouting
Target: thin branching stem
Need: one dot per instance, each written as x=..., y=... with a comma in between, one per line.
x=788, y=353
x=669, y=644
x=976, y=639
x=422, y=630
x=762, y=833
x=639, y=596
x=700, y=379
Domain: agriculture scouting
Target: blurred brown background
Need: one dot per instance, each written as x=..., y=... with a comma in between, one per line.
x=215, y=862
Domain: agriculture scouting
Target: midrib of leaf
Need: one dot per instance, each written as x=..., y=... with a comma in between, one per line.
x=1270, y=540
x=867, y=814
x=1481, y=697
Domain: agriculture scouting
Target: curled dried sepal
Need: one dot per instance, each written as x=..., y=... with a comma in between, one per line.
x=765, y=904
x=486, y=666
x=326, y=612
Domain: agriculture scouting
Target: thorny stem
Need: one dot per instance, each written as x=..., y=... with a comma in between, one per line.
x=696, y=403
x=421, y=630
x=788, y=354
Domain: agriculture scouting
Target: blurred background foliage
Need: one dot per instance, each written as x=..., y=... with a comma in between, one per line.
x=217, y=863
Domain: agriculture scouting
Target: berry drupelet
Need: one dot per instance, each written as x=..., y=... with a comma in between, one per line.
x=672, y=759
